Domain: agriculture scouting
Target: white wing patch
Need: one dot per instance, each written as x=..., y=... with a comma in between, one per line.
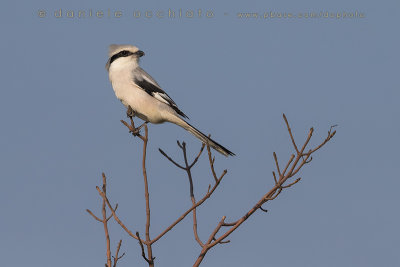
x=163, y=98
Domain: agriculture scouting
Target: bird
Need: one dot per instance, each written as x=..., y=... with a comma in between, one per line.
x=140, y=93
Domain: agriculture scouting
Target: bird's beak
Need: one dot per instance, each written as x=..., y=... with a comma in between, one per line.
x=140, y=53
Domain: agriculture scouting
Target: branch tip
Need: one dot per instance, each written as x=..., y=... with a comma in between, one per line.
x=264, y=210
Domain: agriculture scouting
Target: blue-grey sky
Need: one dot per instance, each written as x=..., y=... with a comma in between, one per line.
x=234, y=78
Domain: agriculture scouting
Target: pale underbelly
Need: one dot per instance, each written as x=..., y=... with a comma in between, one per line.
x=145, y=106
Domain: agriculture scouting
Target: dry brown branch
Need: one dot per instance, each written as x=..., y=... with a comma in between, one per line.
x=212, y=160
x=281, y=182
x=94, y=216
x=115, y=209
x=194, y=204
x=188, y=168
x=117, y=258
x=276, y=181
x=114, y=213
x=170, y=159
x=147, y=197
x=104, y=213
x=291, y=135
x=277, y=165
x=102, y=192
x=149, y=261
x=201, y=201
x=105, y=224
x=289, y=185
x=145, y=138
x=287, y=173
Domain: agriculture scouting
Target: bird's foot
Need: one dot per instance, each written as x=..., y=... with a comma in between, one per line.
x=133, y=130
x=140, y=127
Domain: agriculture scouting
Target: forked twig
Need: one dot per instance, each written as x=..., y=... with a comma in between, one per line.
x=105, y=224
x=288, y=172
x=223, y=229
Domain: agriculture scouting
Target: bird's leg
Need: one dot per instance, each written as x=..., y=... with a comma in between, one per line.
x=130, y=113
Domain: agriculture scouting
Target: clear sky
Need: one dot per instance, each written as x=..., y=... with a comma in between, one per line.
x=234, y=78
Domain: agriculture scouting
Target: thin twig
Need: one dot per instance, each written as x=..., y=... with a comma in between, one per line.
x=150, y=262
x=276, y=181
x=198, y=156
x=115, y=209
x=105, y=221
x=290, y=133
x=264, y=210
x=207, y=246
x=287, y=165
x=146, y=195
x=191, y=190
x=114, y=214
x=211, y=162
x=201, y=201
x=94, y=216
x=277, y=165
x=289, y=185
x=117, y=258
x=170, y=159
x=272, y=194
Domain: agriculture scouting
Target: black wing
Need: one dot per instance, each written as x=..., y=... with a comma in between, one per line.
x=150, y=86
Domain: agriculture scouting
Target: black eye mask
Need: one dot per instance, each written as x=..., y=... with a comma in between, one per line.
x=125, y=53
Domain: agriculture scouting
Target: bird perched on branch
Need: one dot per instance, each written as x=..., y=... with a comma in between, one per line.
x=140, y=93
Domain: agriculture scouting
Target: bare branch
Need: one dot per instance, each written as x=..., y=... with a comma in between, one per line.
x=207, y=246
x=147, y=196
x=198, y=156
x=264, y=210
x=289, y=185
x=170, y=159
x=292, y=167
x=273, y=193
x=179, y=144
x=290, y=133
x=223, y=242
x=105, y=224
x=94, y=216
x=206, y=196
x=307, y=140
x=187, y=168
x=116, y=258
x=212, y=236
x=114, y=214
x=115, y=209
x=191, y=190
x=211, y=162
x=149, y=261
x=287, y=165
x=327, y=139
x=276, y=181
x=230, y=224
x=277, y=165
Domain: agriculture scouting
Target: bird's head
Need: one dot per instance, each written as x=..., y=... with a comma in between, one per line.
x=123, y=54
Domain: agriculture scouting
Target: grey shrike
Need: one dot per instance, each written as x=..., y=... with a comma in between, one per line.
x=139, y=91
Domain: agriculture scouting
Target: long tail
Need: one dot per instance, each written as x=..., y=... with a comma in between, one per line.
x=205, y=139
